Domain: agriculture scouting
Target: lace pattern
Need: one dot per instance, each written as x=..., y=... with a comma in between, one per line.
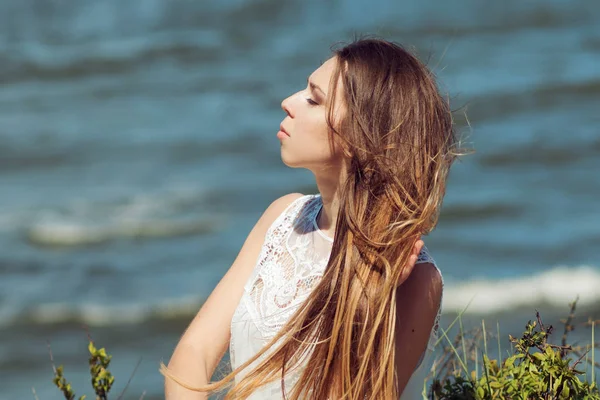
x=292, y=260
x=288, y=269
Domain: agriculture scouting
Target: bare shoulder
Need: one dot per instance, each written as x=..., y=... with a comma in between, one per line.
x=277, y=207
x=257, y=235
x=426, y=276
x=425, y=284
x=281, y=203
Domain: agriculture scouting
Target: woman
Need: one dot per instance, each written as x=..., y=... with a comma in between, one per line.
x=333, y=295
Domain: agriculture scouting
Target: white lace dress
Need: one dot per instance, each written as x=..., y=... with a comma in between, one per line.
x=292, y=261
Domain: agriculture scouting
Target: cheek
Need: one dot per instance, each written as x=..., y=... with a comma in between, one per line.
x=313, y=138
x=321, y=144
x=317, y=121
x=318, y=132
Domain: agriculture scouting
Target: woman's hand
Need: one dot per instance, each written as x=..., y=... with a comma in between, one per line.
x=412, y=260
x=415, y=253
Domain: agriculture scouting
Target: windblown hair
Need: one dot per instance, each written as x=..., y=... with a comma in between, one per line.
x=398, y=134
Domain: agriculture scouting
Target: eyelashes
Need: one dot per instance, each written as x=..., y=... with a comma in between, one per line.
x=311, y=101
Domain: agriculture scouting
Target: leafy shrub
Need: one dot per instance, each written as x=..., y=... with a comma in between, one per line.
x=102, y=379
x=536, y=369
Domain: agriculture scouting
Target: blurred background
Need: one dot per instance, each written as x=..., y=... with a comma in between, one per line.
x=138, y=149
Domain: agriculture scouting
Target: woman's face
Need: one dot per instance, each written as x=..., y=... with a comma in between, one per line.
x=306, y=144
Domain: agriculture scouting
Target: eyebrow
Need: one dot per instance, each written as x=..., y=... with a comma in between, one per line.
x=314, y=86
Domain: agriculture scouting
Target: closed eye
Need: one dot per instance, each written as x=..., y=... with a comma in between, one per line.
x=311, y=101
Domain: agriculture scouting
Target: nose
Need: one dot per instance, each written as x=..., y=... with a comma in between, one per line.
x=285, y=105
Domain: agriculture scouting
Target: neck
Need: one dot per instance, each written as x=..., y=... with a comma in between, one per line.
x=329, y=190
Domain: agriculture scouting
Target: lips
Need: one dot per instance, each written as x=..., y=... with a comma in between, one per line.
x=282, y=129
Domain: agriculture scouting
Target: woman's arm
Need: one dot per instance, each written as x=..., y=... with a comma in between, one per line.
x=207, y=337
x=417, y=302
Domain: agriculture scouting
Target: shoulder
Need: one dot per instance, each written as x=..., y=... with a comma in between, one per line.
x=286, y=200
x=425, y=277
x=421, y=293
x=424, y=285
x=280, y=204
x=425, y=282
x=278, y=207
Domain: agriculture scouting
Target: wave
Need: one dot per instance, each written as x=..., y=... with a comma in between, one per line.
x=556, y=287
x=125, y=39
x=74, y=233
x=40, y=61
x=496, y=101
x=177, y=212
x=97, y=315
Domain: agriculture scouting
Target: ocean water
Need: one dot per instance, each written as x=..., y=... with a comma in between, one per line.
x=138, y=149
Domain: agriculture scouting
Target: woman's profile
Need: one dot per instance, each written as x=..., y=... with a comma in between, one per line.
x=333, y=295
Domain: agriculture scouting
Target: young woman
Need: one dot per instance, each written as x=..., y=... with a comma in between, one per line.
x=333, y=295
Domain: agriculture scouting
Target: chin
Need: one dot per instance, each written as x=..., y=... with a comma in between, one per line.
x=290, y=164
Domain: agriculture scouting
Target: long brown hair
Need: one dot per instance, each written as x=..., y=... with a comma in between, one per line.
x=399, y=136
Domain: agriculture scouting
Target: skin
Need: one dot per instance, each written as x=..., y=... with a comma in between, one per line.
x=308, y=145
x=419, y=292
x=206, y=339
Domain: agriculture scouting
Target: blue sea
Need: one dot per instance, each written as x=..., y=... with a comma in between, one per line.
x=138, y=149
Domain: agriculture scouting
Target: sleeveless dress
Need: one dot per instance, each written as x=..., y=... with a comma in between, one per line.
x=292, y=260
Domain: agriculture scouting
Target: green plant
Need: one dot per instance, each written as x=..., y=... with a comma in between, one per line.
x=534, y=370
x=62, y=384
x=102, y=379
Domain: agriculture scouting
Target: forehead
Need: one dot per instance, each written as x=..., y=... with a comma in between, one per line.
x=322, y=75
